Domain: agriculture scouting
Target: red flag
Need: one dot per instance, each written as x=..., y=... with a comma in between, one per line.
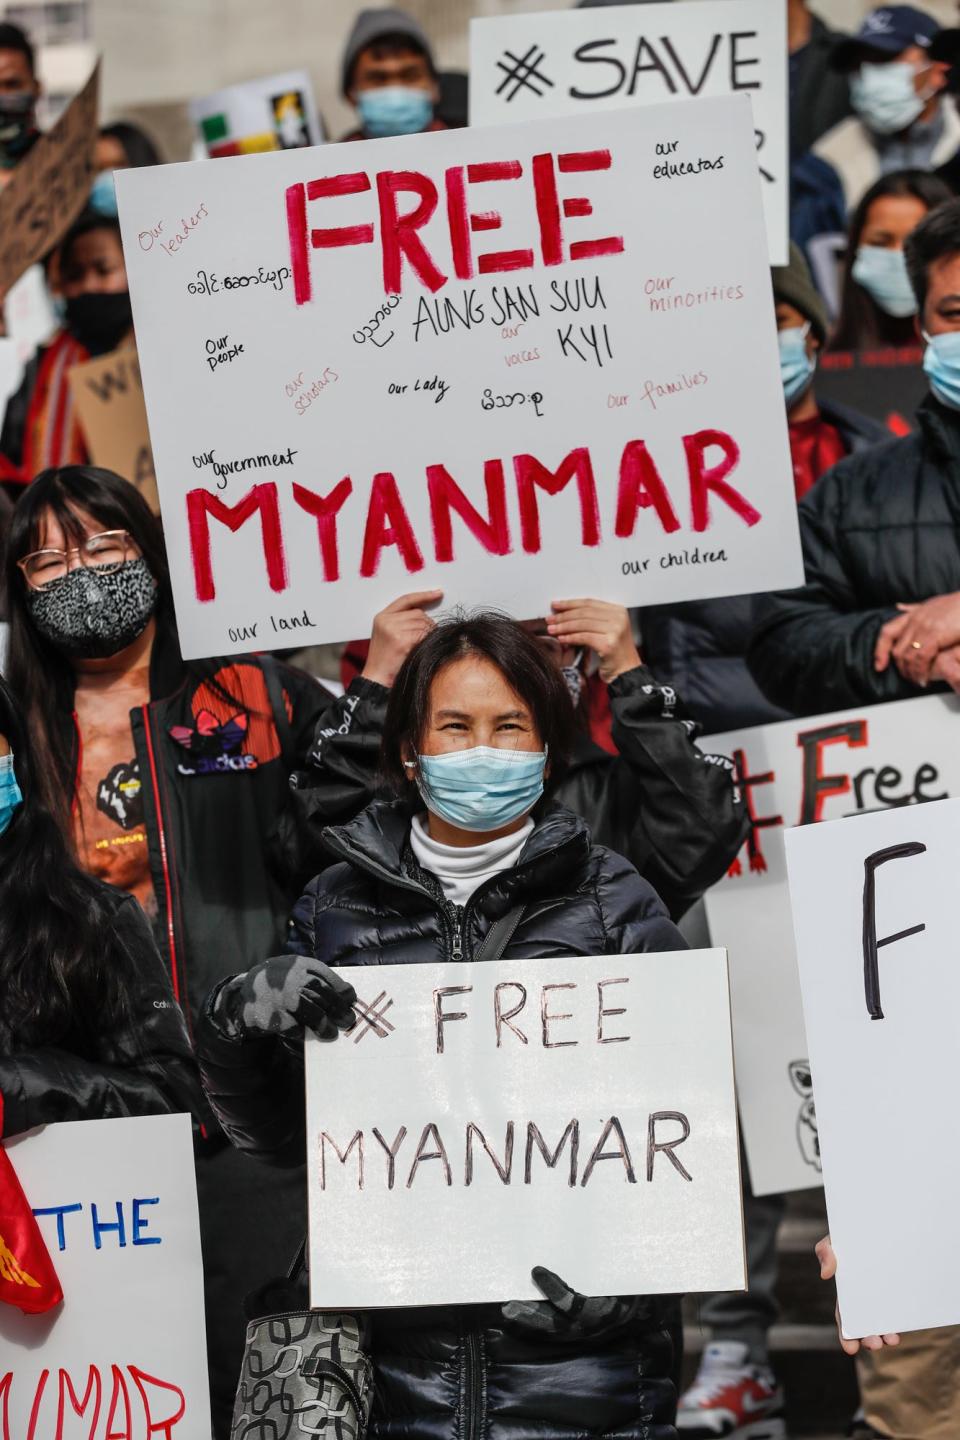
x=27, y=1277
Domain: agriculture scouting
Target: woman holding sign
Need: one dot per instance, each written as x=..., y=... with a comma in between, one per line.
x=471, y=861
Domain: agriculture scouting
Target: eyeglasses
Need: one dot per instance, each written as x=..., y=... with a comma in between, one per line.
x=106, y=551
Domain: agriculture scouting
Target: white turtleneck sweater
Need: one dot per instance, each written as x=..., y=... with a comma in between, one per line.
x=462, y=869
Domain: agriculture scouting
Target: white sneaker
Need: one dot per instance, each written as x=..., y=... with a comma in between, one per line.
x=730, y=1399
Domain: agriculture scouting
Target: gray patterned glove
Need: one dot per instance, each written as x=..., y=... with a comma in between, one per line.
x=287, y=994
x=567, y=1315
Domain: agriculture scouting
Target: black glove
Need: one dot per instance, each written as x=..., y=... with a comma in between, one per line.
x=285, y=996
x=565, y=1315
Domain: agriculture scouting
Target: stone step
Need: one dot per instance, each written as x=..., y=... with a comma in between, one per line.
x=784, y=1338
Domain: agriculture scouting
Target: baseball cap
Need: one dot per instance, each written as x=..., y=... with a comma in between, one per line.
x=885, y=32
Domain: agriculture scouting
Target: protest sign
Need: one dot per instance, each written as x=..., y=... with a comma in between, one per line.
x=116, y=1201
x=571, y=1112
x=108, y=396
x=50, y=186
x=875, y=919
x=796, y=773
x=888, y=385
x=352, y=396
x=275, y=113
x=526, y=67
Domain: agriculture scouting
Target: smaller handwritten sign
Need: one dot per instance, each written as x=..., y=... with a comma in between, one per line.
x=125, y=1354
x=49, y=188
x=108, y=397
x=875, y=920
x=571, y=1112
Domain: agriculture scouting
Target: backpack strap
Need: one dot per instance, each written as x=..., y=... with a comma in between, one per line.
x=498, y=937
x=281, y=720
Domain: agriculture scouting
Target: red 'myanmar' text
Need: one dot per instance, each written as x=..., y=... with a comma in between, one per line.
x=406, y=201
x=388, y=526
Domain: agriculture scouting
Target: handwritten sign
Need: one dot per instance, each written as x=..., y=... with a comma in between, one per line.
x=108, y=397
x=524, y=67
x=573, y=1113
x=473, y=359
x=875, y=918
x=50, y=186
x=277, y=112
x=800, y=772
x=117, y=1203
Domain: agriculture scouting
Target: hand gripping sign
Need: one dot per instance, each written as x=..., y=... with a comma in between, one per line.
x=470, y=359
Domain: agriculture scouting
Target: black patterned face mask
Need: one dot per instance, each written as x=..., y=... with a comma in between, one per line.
x=92, y=613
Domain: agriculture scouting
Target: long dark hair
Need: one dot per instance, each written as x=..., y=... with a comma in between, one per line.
x=520, y=658
x=57, y=978
x=134, y=142
x=38, y=672
x=861, y=324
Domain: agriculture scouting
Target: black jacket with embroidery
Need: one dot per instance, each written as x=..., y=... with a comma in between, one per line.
x=675, y=813
x=456, y=1372
x=225, y=860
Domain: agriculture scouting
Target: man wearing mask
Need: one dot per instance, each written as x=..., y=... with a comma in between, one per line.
x=896, y=86
x=388, y=75
x=19, y=91
x=699, y=646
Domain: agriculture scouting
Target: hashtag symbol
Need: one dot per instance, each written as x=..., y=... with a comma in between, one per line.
x=371, y=1017
x=522, y=73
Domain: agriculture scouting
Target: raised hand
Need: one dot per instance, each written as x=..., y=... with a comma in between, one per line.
x=599, y=626
x=828, y=1268
x=396, y=630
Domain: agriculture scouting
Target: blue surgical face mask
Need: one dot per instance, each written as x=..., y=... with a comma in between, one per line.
x=103, y=195
x=796, y=366
x=885, y=97
x=941, y=361
x=883, y=274
x=482, y=788
x=10, y=795
x=394, y=110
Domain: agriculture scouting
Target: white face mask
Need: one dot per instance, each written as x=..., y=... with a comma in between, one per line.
x=885, y=96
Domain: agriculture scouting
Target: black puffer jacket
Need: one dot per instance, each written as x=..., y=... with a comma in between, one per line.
x=700, y=646
x=457, y=1373
x=878, y=528
x=675, y=813
x=142, y=1066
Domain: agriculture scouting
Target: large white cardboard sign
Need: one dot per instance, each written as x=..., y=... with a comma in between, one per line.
x=124, y=1356
x=497, y=361
x=874, y=909
x=524, y=67
x=798, y=772
x=480, y=1120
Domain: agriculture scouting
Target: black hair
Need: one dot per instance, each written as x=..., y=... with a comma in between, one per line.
x=59, y=982
x=15, y=39
x=938, y=234
x=136, y=145
x=861, y=324
x=386, y=47
x=85, y=224
x=39, y=673
x=520, y=658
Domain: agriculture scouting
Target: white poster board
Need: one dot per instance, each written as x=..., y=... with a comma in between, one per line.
x=116, y=1201
x=549, y=380
x=276, y=112
x=819, y=768
x=570, y=62
x=590, y=1129
x=874, y=909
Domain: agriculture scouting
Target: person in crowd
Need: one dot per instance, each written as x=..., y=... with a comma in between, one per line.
x=389, y=77
x=40, y=428
x=19, y=92
x=170, y=781
x=879, y=616
x=819, y=95
x=896, y=87
x=121, y=146
x=700, y=645
x=89, y=1029
x=877, y=303
x=478, y=732
x=635, y=775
